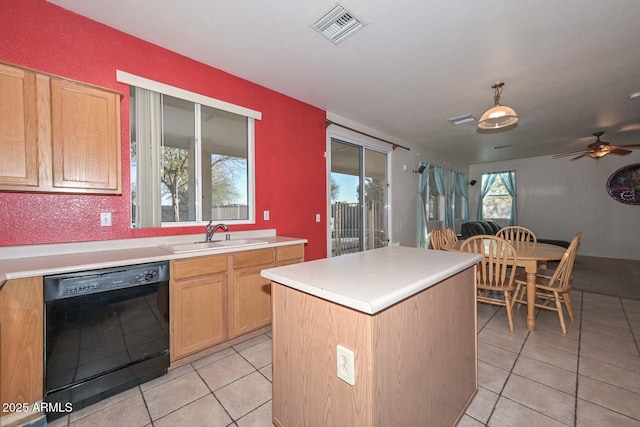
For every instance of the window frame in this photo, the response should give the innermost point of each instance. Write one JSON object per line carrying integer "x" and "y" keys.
{"x": 365, "y": 143}
{"x": 199, "y": 100}
{"x": 490, "y": 195}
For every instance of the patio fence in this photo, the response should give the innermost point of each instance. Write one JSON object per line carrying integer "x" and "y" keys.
{"x": 346, "y": 232}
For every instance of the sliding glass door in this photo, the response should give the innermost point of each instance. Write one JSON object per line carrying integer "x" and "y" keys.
{"x": 358, "y": 198}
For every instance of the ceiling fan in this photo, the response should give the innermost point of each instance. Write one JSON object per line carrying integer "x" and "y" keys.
{"x": 598, "y": 149}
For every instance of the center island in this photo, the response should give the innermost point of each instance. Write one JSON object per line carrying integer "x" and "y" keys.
{"x": 409, "y": 317}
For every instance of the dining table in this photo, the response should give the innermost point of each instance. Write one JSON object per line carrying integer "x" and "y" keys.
{"x": 531, "y": 256}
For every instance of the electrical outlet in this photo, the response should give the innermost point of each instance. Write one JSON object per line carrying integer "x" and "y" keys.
{"x": 105, "y": 219}
{"x": 345, "y": 365}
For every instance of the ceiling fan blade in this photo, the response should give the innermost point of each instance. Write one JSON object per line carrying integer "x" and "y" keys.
{"x": 559, "y": 155}
{"x": 628, "y": 146}
{"x": 619, "y": 151}
{"x": 581, "y": 155}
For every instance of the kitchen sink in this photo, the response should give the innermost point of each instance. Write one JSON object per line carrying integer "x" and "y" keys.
{"x": 216, "y": 244}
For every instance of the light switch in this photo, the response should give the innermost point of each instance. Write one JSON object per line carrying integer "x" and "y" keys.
{"x": 105, "y": 219}
{"x": 266, "y": 215}
{"x": 317, "y": 217}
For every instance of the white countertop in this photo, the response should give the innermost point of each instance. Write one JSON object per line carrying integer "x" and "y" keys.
{"x": 373, "y": 280}
{"x": 18, "y": 262}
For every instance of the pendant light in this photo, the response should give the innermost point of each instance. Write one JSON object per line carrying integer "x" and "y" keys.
{"x": 498, "y": 116}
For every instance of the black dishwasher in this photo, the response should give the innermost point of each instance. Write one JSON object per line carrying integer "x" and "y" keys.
{"x": 106, "y": 331}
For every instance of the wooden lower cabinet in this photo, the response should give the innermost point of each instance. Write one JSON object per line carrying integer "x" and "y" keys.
{"x": 21, "y": 341}
{"x": 198, "y": 304}
{"x": 251, "y": 300}
{"x": 218, "y": 297}
{"x": 286, "y": 255}
{"x": 251, "y": 293}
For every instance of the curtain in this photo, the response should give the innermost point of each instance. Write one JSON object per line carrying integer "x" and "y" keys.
{"x": 461, "y": 185}
{"x": 486, "y": 186}
{"x": 450, "y": 200}
{"x": 148, "y": 135}
{"x": 438, "y": 174}
{"x": 509, "y": 180}
{"x": 422, "y": 212}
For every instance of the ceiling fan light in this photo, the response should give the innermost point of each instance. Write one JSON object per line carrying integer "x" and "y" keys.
{"x": 597, "y": 154}
{"x": 498, "y": 116}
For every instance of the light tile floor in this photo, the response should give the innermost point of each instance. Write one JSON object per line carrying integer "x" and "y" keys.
{"x": 590, "y": 377}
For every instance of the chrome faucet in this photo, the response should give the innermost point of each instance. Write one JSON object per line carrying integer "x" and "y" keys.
{"x": 210, "y": 229}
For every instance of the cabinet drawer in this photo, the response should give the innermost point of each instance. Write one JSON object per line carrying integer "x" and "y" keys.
{"x": 251, "y": 258}
{"x": 290, "y": 252}
{"x": 199, "y": 266}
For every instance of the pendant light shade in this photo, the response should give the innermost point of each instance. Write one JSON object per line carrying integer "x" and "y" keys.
{"x": 499, "y": 116}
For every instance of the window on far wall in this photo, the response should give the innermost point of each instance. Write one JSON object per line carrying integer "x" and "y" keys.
{"x": 496, "y": 204}
{"x": 190, "y": 162}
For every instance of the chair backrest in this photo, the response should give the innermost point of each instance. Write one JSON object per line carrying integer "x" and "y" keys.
{"x": 562, "y": 275}
{"x": 437, "y": 239}
{"x": 450, "y": 235}
{"x": 497, "y": 269}
{"x": 515, "y": 233}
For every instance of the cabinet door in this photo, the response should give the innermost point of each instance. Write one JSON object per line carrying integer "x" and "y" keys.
{"x": 21, "y": 341}
{"x": 18, "y": 127}
{"x": 198, "y": 314}
{"x": 251, "y": 300}
{"x": 85, "y": 133}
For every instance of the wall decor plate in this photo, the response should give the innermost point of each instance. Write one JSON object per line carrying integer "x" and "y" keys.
{"x": 624, "y": 184}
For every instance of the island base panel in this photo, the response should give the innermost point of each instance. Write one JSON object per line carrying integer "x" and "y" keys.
{"x": 415, "y": 362}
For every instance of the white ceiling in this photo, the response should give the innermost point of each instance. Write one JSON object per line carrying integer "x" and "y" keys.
{"x": 569, "y": 65}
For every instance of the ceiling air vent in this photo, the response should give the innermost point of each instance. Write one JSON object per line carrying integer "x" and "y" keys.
{"x": 337, "y": 24}
{"x": 458, "y": 120}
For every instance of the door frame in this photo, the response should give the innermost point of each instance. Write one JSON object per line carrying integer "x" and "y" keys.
{"x": 351, "y": 137}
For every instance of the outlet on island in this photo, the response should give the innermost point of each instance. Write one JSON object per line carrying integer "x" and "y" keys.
{"x": 345, "y": 365}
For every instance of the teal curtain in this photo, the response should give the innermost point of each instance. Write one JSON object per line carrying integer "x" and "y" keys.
{"x": 438, "y": 174}
{"x": 486, "y": 186}
{"x": 509, "y": 180}
{"x": 461, "y": 185}
{"x": 450, "y": 199}
{"x": 422, "y": 213}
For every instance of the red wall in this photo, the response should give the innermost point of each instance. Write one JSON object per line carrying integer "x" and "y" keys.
{"x": 290, "y": 139}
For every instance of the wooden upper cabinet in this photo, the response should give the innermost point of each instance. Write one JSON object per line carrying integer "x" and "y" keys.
{"x": 58, "y": 135}
{"x": 85, "y": 133}
{"x": 18, "y": 127}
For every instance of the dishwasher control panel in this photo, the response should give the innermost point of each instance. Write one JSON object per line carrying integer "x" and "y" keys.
{"x": 93, "y": 281}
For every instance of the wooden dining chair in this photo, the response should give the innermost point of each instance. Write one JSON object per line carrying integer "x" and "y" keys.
{"x": 450, "y": 235}
{"x": 516, "y": 233}
{"x": 555, "y": 287}
{"x": 438, "y": 241}
{"x": 495, "y": 274}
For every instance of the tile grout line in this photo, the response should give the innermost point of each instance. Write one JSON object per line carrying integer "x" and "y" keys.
{"x": 189, "y": 403}
{"x": 614, "y": 385}
{"x": 575, "y": 404}
{"x": 213, "y": 394}
{"x": 237, "y": 379}
{"x": 624, "y": 311}
{"x": 510, "y": 370}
